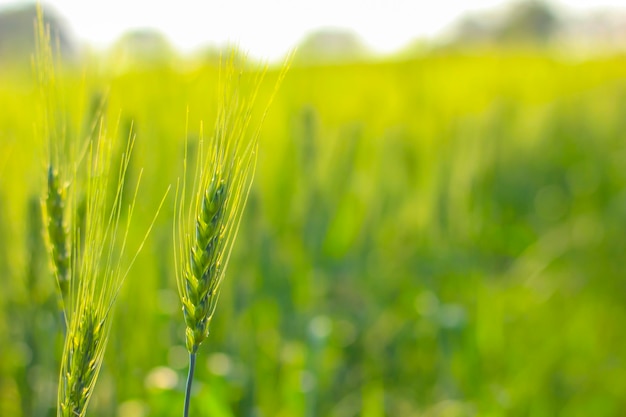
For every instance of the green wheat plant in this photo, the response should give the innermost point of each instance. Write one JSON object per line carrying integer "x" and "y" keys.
{"x": 205, "y": 227}
{"x": 88, "y": 252}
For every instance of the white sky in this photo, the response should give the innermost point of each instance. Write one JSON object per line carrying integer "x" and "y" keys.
{"x": 269, "y": 28}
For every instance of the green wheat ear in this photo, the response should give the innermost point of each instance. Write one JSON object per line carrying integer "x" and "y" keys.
{"x": 205, "y": 228}
{"x": 60, "y": 156}
{"x": 202, "y": 275}
{"x": 96, "y": 275}
{"x": 81, "y": 364}
{"x": 57, "y": 231}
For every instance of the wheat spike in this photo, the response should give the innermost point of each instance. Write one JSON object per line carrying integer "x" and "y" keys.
{"x": 81, "y": 363}
{"x": 57, "y": 231}
{"x": 59, "y": 152}
{"x": 97, "y": 276}
{"x": 206, "y": 228}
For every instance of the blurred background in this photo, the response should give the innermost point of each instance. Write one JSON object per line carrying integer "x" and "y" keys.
{"x": 436, "y": 228}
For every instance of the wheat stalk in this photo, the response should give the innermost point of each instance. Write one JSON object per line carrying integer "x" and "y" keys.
{"x": 208, "y": 232}
{"x": 89, "y": 276}
{"x": 206, "y": 228}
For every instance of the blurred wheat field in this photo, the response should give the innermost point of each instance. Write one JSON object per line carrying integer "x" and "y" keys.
{"x": 440, "y": 236}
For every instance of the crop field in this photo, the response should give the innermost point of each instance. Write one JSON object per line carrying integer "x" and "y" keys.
{"x": 437, "y": 236}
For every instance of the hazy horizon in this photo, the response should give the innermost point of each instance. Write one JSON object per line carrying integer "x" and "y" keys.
{"x": 270, "y": 29}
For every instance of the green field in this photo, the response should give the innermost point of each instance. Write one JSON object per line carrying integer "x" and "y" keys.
{"x": 442, "y": 236}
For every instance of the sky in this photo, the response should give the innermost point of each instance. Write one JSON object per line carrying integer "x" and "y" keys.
{"x": 269, "y": 28}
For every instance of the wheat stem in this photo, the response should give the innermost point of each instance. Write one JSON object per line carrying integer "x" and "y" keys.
{"x": 192, "y": 367}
